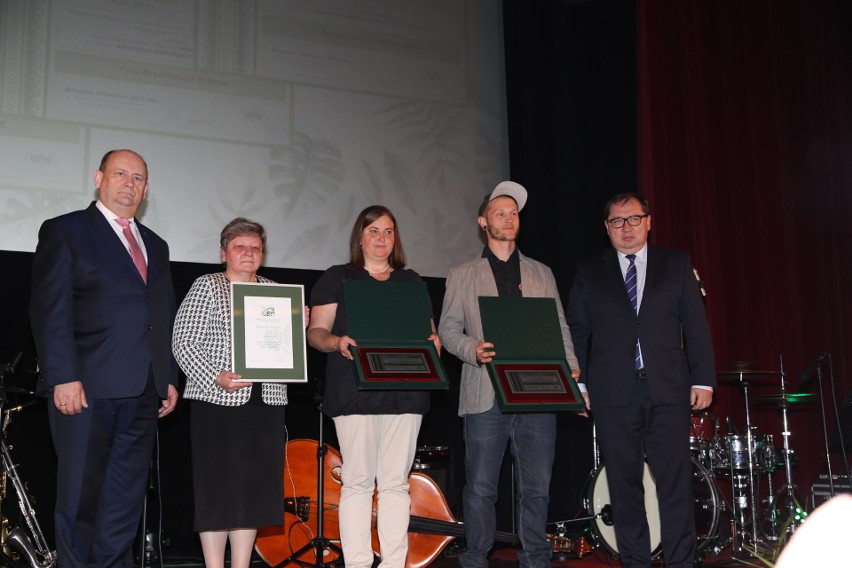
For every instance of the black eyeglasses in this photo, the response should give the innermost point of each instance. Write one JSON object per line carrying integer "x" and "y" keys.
{"x": 633, "y": 221}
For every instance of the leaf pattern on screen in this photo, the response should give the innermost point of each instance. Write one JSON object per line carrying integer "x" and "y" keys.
{"x": 230, "y": 203}
{"x": 39, "y": 205}
{"x": 306, "y": 174}
{"x": 401, "y": 174}
{"x": 433, "y": 132}
{"x": 309, "y": 242}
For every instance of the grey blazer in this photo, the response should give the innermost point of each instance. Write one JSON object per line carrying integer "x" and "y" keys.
{"x": 460, "y": 326}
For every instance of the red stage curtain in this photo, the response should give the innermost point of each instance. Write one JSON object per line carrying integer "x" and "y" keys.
{"x": 745, "y": 152}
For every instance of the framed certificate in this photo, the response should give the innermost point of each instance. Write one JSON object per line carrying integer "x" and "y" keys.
{"x": 268, "y": 332}
{"x": 529, "y": 372}
{"x": 391, "y": 322}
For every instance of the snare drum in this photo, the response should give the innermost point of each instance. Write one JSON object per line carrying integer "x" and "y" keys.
{"x": 708, "y": 509}
{"x": 702, "y": 431}
{"x": 732, "y": 453}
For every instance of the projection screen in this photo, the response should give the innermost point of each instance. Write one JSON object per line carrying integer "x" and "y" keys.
{"x": 294, "y": 113}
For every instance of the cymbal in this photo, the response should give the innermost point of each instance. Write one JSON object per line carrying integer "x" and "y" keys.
{"x": 786, "y": 398}
{"x": 748, "y": 373}
{"x": 742, "y": 378}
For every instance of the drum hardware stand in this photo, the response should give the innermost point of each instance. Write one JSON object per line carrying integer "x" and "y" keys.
{"x": 771, "y": 502}
{"x": 740, "y": 503}
{"x": 736, "y": 480}
{"x": 745, "y": 501}
{"x": 319, "y": 544}
{"x": 751, "y": 469}
{"x": 30, "y": 545}
{"x": 561, "y": 529}
{"x": 605, "y": 515}
{"x": 783, "y": 522}
{"x": 596, "y": 451}
{"x": 788, "y": 464}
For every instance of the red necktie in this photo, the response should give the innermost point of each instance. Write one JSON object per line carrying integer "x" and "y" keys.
{"x": 135, "y": 250}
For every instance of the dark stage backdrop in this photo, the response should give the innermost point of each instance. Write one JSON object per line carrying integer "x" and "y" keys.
{"x": 571, "y": 94}
{"x": 745, "y": 149}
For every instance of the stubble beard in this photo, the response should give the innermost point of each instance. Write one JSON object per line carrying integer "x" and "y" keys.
{"x": 499, "y": 235}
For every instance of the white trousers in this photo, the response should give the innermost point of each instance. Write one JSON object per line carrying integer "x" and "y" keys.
{"x": 378, "y": 452}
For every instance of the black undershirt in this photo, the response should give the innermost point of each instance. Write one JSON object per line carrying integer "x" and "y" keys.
{"x": 507, "y": 275}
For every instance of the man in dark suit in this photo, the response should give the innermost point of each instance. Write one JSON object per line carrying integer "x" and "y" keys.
{"x": 102, "y": 308}
{"x": 641, "y": 335}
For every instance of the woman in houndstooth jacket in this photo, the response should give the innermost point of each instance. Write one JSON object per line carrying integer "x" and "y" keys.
{"x": 236, "y": 428}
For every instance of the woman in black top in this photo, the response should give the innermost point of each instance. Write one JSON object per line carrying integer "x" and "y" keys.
{"x": 377, "y": 430}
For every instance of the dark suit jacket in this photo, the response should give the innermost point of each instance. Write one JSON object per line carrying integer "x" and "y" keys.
{"x": 672, "y": 325}
{"x": 93, "y": 317}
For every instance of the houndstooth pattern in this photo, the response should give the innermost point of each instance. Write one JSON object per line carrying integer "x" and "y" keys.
{"x": 201, "y": 344}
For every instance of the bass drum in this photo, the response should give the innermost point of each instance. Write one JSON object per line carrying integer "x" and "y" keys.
{"x": 708, "y": 509}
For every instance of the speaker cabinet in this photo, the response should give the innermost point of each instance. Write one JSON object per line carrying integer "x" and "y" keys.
{"x": 821, "y": 489}
{"x": 435, "y": 462}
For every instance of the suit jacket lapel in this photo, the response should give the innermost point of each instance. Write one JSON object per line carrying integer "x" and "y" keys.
{"x": 149, "y": 250}
{"x": 652, "y": 271}
{"x": 116, "y": 248}
{"x": 614, "y": 278}
{"x": 488, "y": 286}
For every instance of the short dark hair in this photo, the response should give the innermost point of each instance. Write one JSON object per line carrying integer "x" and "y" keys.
{"x": 365, "y": 218}
{"x": 241, "y": 227}
{"x": 622, "y": 198}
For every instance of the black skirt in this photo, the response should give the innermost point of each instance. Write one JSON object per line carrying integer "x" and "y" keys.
{"x": 237, "y": 464}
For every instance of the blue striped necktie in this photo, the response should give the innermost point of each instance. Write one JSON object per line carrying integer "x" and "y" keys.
{"x": 630, "y": 282}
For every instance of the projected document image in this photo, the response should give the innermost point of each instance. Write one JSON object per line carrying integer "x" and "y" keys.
{"x": 131, "y": 30}
{"x": 135, "y": 64}
{"x": 398, "y": 48}
{"x": 294, "y": 113}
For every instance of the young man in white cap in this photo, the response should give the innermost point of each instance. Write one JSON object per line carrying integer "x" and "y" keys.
{"x": 501, "y": 270}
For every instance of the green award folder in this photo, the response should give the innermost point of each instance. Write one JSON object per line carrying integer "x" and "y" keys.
{"x": 391, "y": 322}
{"x": 529, "y": 371}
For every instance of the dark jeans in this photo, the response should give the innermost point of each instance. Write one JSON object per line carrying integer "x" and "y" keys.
{"x": 533, "y": 444}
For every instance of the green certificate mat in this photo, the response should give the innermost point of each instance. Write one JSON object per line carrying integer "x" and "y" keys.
{"x": 529, "y": 371}
{"x": 268, "y": 331}
{"x": 391, "y": 322}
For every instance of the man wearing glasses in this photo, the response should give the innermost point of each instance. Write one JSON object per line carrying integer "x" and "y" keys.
{"x": 641, "y": 336}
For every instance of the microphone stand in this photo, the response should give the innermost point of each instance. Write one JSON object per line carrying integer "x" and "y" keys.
{"x": 319, "y": 544}
{"x": 831, "y": 490}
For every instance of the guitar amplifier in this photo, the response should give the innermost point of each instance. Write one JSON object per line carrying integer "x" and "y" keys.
{"x": 821, "y": 489}
{"x": 434, "y": 461}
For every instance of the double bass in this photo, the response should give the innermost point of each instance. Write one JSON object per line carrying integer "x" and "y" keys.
{"x": 431, "y": 528}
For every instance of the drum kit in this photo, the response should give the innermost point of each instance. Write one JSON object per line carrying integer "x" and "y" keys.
{"x": 730, "y": 471}
{"x": 708, "y": 511}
